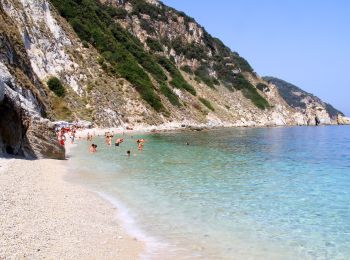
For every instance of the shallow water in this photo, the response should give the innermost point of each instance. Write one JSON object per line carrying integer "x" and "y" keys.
{"x": 268, "y": 193}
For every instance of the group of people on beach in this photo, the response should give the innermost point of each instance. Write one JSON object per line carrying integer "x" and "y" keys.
{"x": 109, "y": 139}
{"x": 61, "y": 134}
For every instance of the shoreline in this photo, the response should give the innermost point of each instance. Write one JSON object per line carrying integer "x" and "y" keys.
{"x": 97, "y": 131}
{"x": 45, "y": 216}
{"x": 151, "y": 246}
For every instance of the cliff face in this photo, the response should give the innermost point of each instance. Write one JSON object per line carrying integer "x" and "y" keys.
{"x": 23, "y": 131}
{"x": 128, "y": 62}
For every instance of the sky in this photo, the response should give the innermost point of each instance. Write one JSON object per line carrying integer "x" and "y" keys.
{"x": 304, "y": 42}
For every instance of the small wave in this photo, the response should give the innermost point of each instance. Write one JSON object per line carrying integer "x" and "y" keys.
{"x": 153, "y": 245}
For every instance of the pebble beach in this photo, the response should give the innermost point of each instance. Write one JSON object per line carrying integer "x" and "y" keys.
{"x": 43, "y": 216}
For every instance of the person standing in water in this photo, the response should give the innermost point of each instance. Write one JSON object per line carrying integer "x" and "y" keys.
{"x": 93, "y": 148}
{"x": 140, "y": 144}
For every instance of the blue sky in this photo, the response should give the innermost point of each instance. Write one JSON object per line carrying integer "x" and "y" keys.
{"x": 305, "y": 42}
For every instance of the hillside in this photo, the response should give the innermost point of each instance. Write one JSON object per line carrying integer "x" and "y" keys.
{"x": 126, "y": 63}
{"x": 302, "y": 100}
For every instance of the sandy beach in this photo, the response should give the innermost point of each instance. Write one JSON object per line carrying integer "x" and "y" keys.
{"x": 43, "y": 216}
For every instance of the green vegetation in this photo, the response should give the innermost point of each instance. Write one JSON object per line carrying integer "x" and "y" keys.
{"x": 172, "y": 97}
{"x": 145, "y": 25}
{"x": 262, "y": 87}
{"x": 120, "y": 13}
{"x": 190, "y": 51}
{"x": 142, "y": 7}
{"x": 203, "y": 73}
{"x": 225, "y": 54}
{"x": 187, "y": 69}
{"x": 241, "y": 63}
{"x": 177, "y": 79}
{"x": 250, "y": 92}
{"x": 90, "y": 87}
{"x": 93, "y": 22}
{"x": 60, "y": 109}
{"x": 85, "y": 44}
{"x": 154, "y": 45}
{"x": 56, "y": 86}
{"x": 123, "y": 55}
{"x": 206, "y": 103}
{"x": 287, "y": 90}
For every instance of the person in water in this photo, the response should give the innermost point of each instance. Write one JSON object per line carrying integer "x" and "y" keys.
{"x": 93, "y": 148}
{"x": 140, "y": 144}
{"x": 128, "y": 153}
{"x": 119, "y": 141}
{"x": 109, "y": 140}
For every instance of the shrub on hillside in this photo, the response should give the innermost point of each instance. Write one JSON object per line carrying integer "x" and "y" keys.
{"x": 262, "y": 87}
{"x": 178, "y": 80}
{"x": 187, "y": 69}
{"x": 56, "y": 86}
{"x": 120, "y": 13}
{"x": 250, "y": 92}
{"x": 206, "y": 103}
{"x": 203, "y": 73}
{"x": 171, "y": 96}
{"x": 154, "y": 45}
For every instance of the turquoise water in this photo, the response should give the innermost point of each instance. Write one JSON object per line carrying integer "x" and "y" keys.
{"x": 274, "y": 193}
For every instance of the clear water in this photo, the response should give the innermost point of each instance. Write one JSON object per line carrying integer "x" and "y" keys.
{"x": 274, "y": 193}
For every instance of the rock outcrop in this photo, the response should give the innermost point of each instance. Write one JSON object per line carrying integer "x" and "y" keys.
{"x": 23, "y": 130}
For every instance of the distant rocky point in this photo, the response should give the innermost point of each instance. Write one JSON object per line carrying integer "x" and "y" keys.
{"x": 310, "y": 105}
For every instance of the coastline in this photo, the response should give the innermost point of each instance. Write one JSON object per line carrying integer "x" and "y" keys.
{"x": 44, "y": 216}
{"x": 174, "y": 127}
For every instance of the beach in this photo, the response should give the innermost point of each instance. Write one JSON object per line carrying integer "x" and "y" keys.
{"x": 201, "y": 198}
{"x": 43, "y": 216}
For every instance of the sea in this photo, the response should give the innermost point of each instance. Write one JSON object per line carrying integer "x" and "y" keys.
{"x": 235, "y": 193}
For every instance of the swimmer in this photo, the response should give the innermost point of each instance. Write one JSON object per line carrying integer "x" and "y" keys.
{"x": 119, "y": 141}
{"x": 140, "y": 146}
{"x": 128, "y": 153}
{"x": 140, "y": 143}
{"x": 140, "y": 140}
{"x": 93, "y": 148}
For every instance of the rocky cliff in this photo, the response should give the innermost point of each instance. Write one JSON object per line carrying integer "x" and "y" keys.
{"x": 128, "y": 62}
{"x": 23, "y": 130}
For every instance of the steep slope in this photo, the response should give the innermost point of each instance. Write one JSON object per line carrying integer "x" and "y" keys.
{"x": 305, "y": 102}
{"x": 182, "y": 72}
